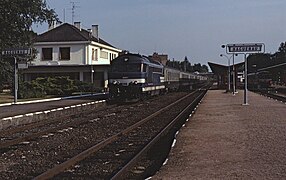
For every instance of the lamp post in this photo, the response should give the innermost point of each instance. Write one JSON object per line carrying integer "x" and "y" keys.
{"x": 233, "y": 76}
{"x": 228, "y": 74}
{"x": 254, "y": 80}
{"x": 15, "y": 81}
{"x": 233, "y": 70}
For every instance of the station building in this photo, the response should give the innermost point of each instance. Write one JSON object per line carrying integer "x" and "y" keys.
{"x": 162, "y": 58}
{"x": 69, "y": 50}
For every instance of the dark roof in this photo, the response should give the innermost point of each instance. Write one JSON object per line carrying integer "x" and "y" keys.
{"x": 66, "y": 33}
{"x": 222, "y": 69}
{"x": 217, "y": 68}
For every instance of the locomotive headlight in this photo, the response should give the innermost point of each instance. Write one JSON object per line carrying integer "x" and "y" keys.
{"x": 133, "y": 82}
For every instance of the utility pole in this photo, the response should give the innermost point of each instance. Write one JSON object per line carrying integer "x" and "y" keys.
{"x": 64, "y": 11}
{"x": 73, "y": 4}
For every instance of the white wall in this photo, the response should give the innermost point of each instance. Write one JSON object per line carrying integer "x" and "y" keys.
{"x": 81, "y": 54}
{"x": 77, "y": 54}
{"x": 100, "y": 60}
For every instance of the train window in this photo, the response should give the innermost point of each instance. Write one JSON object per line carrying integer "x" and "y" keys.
{"x": 144, "y": 68}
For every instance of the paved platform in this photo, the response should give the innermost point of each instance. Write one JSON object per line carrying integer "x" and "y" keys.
{"x": 25, "y": 107}
{"x": 22, "y": 113}
{"x": 226, "y": 140}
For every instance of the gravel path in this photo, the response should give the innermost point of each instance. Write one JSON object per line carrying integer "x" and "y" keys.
{"x": 225, "y": 140}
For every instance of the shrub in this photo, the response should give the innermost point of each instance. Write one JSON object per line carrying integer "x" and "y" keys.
{"x": 31, "y": 90}
{"x": 59, "y": 86}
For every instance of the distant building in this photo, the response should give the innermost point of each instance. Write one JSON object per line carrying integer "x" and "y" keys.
{"x": 162, "y": 58}
{"x": 69, "y": 50}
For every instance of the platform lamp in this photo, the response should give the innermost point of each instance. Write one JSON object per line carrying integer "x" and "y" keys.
{"x": 233, "y": 70}
{"x": 228, "y": 73}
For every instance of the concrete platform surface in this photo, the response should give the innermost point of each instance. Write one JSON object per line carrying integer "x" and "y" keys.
{"x": 226, "y": 140}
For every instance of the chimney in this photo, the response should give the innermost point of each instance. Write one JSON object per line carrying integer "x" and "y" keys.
{"x": 77, "y": 25}
{"x": 94, "y": 29}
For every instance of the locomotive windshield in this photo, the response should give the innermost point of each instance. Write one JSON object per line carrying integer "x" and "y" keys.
{"x": 126, "y": 68}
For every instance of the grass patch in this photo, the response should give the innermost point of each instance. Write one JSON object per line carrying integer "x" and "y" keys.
{"x": 6, "y": 98}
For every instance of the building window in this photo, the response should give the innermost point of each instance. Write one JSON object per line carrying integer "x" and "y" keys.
{"x": 65, "y": 53}
{"x": 94, "y": 55}
{"x": 112, "y": 56}
{"x": 103, "y": 55}
{"x": 47, "y": 54}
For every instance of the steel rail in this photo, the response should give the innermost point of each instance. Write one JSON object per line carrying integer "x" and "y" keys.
{"x": 83, "y": 155}
{"x": 274, "y": 96}
{"x": 134, "y": 160}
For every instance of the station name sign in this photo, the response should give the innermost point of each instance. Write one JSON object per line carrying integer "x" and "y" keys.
{"x": 17, "y": 51}
{"x": 244, "y": 48}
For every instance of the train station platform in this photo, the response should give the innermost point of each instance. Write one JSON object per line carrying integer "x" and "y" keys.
{"x": 32, "y": 111}
{"x": 227, "y": 140}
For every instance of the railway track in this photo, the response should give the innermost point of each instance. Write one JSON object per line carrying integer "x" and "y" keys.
{"x": 272, "y": 94}
{"x": 33, "y": 156}
{"x": 113, "y": 157}
{"x": 25, "y": 133}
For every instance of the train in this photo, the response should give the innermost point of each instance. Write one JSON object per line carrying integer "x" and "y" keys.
{"x": 259, "y": 80}
{"x": 135, "y": 76}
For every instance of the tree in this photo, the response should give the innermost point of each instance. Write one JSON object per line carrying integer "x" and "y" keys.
{"x": 16, "y": 19}
{"x": 197, "y": 67}
{"x": 204, "y": 68}
{"x": 280, "y": 56}
{"x": 186, "y": 65}
{"x": 282, "y": 48}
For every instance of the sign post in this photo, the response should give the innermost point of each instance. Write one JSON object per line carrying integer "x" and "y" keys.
{"x": 15, "y": 52}
{"x": 246, "y": 49}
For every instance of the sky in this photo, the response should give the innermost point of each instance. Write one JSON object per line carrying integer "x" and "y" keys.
{"x": 179, "y": 28}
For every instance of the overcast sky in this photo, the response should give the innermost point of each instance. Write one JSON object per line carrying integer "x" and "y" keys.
{"x": 179, "y": 28}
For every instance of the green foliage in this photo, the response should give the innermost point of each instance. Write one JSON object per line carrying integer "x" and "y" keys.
{"x": 17, "y": 17}
{"x": 59, "y": 86}
{"x": 258, "y": 61}
{"x": 186, "y": 66}
{"x": 6, "y": 74}
{"x": 31, "y": 89}
{"x": 263, "y": 60}
{"x": 282, "y": 47}
{"x": 84, "y": 86}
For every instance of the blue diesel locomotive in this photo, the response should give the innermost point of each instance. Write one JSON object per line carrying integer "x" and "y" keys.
{"x": 134, "y": 76}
